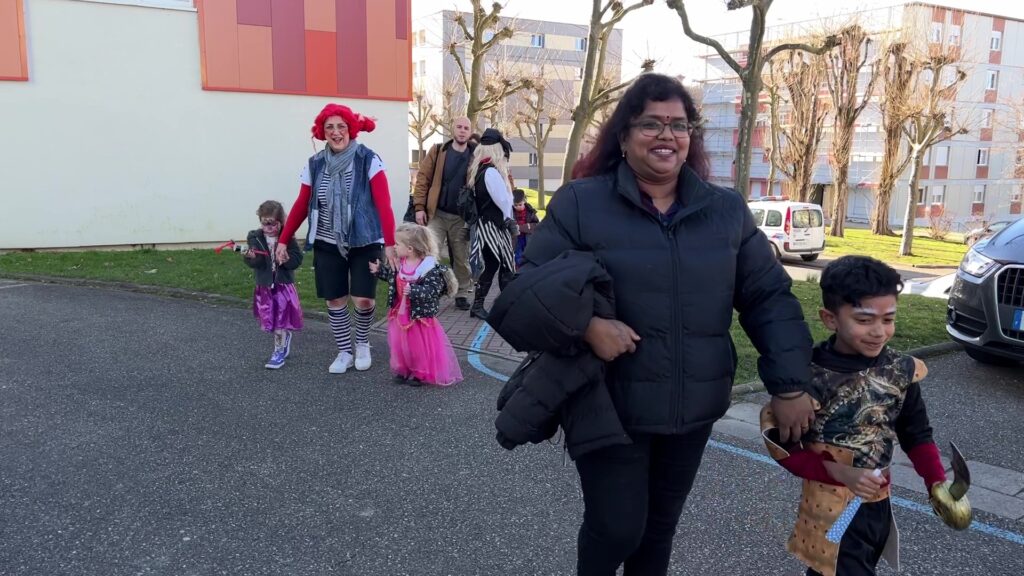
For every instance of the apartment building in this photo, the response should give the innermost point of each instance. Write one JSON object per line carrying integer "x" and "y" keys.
{"x": 551, "y": 52}
{"x": 972, "y": 177}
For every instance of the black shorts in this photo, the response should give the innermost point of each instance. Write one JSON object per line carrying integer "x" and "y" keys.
{"x": 337, "y": 276}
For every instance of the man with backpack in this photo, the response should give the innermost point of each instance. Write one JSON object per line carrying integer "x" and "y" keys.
{"x": 441, "y": 174}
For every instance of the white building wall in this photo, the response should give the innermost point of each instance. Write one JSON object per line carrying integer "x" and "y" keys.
{"x": 113, "y": 141}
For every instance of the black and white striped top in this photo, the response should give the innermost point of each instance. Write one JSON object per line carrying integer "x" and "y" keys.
{"x": 324, "y": 224}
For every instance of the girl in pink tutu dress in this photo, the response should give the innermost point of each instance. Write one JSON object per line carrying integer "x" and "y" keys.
{"x": 275, "y": 303}
{"x": 420, "y": 350}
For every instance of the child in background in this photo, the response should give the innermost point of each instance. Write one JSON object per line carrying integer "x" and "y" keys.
{"x": 867, "y": 396}
{"x": 420, "y": 350}
{"x": 274, "y": 299}
{"x": 526, "y": 218}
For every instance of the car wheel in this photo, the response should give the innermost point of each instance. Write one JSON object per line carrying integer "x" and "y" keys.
{"x": 809, "y": 257}
{"x": 775, "y": 250}
{"x": 987, "y": 358}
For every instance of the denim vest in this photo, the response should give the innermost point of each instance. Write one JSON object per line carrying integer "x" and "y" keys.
{"x": 366, "y": 227}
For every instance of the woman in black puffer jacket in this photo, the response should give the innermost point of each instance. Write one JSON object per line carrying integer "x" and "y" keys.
{"x": 682, "y": 254}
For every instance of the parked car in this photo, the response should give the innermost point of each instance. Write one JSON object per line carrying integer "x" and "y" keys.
{"x": 986, "y": 304}
{"x": 794, "y": 228}
{"x": 985, "y": 231}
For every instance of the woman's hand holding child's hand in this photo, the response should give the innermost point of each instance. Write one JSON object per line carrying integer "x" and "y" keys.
{"x": 281, "y": 252}
{"x": 861, "y": 481}
{"x": 610, "y": 339}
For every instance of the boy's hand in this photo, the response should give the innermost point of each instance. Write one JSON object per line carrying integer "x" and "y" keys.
{"x": 861, "y": 481}
{"x": 374, "y": 266}
{"x": 794, "y": 415}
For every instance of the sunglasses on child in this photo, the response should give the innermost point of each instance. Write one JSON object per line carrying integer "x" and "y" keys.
{"x": 269, "y": 223}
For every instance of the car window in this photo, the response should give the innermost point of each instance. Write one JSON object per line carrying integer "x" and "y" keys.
{"x": 816, "y": 221}
{"x": 758, "y": 216}
{"x": 801, "y": 218}
{"x": 774, "y": 218}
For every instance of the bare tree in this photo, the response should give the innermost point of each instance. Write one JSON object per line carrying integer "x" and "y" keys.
{"x": 483, "y": 91}
{"x": 423, "y": 121}
{"x": 750, "y": 73}
{"x": 534, "y": 122}
{"x": 594, "y": 94}
{"x": 846, "y": 62}
{"x": 897, "y": 69}
{"x": 796, "y": 151}
{"x": 929, "y": 120}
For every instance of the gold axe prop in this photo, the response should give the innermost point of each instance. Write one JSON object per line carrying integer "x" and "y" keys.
{"x": 949, "y": 499}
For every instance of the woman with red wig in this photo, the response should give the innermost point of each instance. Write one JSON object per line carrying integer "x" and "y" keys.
{"x": 345, "y": 199}
{"x": 682, "y": 254}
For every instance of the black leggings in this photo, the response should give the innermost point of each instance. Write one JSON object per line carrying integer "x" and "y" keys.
{"x": 492, "y": 266}
{"x": 864, "y": 540}
{"x": 634, "y": 496}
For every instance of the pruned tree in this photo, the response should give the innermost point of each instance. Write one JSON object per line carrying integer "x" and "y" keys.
{"x": 929, "y": 120}
{"x": 796, "y": 151}
{"x": 484, "y": 90}
{"x": 897, "y": 69}
{"x": 846, "y": 64}
{"x": 595, "y": 94}
{"x": 750, "y": 73}
{"x": 424, "y": 122}
{"x": 771, "y": 149}
{"x": 534, "y": 123}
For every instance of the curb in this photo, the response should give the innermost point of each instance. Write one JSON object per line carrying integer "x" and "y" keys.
{"x": 935, "y": 266}
{"x": 931, "y": 351}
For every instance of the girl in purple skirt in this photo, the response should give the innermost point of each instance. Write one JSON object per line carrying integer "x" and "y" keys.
{"x": 274, "y": 300}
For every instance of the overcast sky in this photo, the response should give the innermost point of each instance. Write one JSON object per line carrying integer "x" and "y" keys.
{"x": 656, "y": 32}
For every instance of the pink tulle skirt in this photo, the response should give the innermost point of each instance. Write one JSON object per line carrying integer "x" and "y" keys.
{"x": 277, "y": 308}
{"x": 420, "y": 349}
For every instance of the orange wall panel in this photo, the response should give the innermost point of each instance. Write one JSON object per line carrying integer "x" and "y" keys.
{"x": 380, "y": 48}
{"x": 320, "y": 15}
{"x": 321, "y": 62}
{"x": 219, "y": 43}
{"x": 255, "y": 58}
{"x": 13, "y": 55}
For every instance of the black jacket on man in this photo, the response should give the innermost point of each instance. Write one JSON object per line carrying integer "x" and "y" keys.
{"x": 547, "y": 310}
{"x": 676, "y": 284}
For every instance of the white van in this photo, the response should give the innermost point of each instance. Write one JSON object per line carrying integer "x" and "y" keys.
{"x": 793, "y": 228}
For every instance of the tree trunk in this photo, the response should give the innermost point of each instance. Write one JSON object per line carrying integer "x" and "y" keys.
{"x": 540, "y": 177}
{"x": 886, "y": 182}
{"x": 748, "y": 120}
{"x": 907, "y": 241}
{"x": 840, "y": 178}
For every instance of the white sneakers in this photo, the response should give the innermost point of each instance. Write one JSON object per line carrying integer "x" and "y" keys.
{"x": 363, "y": 360}
{"x": 341, "y": 364}
{"x": 344, "y": 361}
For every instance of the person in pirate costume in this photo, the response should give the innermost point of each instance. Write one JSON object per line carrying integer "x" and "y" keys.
{"x": 867, "y": 397}
{"x": 492, "y": 244}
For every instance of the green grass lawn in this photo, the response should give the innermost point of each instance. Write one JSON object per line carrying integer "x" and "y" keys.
{"x": 920, "y": 320}
{"x": 199, "y": 270}
{"x": 885, "y": 248}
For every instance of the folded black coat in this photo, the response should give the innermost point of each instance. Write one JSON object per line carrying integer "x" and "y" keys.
{"x": 546, "y": 311}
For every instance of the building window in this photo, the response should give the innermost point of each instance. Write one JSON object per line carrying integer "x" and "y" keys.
{"x": 537, "y": 40}
{"x": 938, "y": 193}
{"x": 579, "y": 73}
{"x": 937, "y": 32}
{"x": 996, "y": 43}
{"x": 581, "y": 44}
{"x": 983, "y": 157}
{"x": 422, "y": 37}
{"x": 920, "y": 195}
{"x": 1015, "y": 195}
{"x": 954, "y": 35}
{"x": 986, "y": 118}
{"x": 422, "y": 68}
{"x": 533, "y": 159}
{"x": 993, "y": 80}
{"x": 414, "y": 156}
{"x": 979, "y": 194}
{"x": 942, "y": 156}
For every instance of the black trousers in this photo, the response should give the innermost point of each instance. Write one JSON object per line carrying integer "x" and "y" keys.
{"x": 864, "y": 540}
{"x": 633, "y": 497}
{"x": 492, "y": 266}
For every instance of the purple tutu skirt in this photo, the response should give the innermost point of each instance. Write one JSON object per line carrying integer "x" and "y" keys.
{"x": 420, "y": 349}
{"x": 277, "y": 308}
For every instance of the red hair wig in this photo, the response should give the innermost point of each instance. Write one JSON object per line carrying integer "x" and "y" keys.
{"x": 356, "y": 122}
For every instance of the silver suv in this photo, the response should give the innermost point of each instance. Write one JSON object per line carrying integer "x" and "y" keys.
{"x": 986, "y": 303}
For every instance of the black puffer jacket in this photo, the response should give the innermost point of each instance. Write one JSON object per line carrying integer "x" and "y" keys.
{"x": 546, "y": 310}
{"x": 677, "y": 286}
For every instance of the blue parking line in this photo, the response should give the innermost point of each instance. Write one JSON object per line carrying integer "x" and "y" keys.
{"x": 1009, "y": 536}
